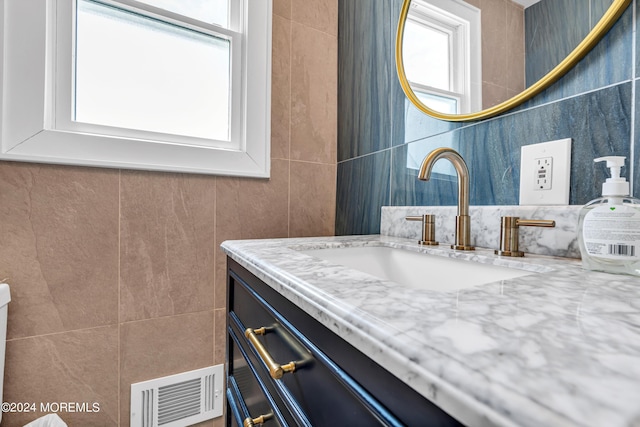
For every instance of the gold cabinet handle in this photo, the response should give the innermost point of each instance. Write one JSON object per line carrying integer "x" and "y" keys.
{"x": 251, "y": 422}
{"x": 275, "y": 369}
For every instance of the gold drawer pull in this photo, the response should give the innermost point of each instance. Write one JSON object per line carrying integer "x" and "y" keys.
{"x": 251, "y": 422}
{"x": 275, "y": 369}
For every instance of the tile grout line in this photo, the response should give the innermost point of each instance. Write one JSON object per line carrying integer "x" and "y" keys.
{"x": 545, "y": 104}
{"x": 390, "y": 176}
{"x": 289, "y": 199}
{"x": 50, "y": 334}
{"x": 393, "y": 117}
{"x": 169, "y": 316}
{"x": 632, "y": 136}
{"x": 110, "y": 325}
{"x": 311, "y": 162}
{"x": 632, "y": 81}
{"x": 360, "y": 156}
{"x": 119, "y": 287}
{"x": 293, "y": 21}
{"x": 215, "y": 259}
{"x": 290, "y": 119}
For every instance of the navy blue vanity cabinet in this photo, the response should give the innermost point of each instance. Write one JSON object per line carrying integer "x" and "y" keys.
{"x": 284, "y": 368}
{"x": 245, "y": 394}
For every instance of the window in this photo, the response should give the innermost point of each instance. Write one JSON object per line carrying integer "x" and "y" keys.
{"x": 150, "y": 84}
{"x": 443, "y": 65}
{"x": 135, "y": 72}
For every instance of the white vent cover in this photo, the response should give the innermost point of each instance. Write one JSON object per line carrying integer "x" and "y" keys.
{"x": 178, "y": 400}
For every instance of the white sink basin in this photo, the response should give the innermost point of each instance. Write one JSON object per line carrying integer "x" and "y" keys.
{"x": 415, "y": 269}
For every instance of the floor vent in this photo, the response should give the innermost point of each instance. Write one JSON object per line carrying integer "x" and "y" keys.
{"x": 178, "y": 400}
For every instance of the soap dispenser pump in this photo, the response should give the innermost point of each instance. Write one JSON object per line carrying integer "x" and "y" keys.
{"x": 609, "y": 226}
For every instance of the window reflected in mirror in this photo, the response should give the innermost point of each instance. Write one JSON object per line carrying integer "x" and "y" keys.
{"x": 442, "y": 61}
{"x": 472, "y": 59}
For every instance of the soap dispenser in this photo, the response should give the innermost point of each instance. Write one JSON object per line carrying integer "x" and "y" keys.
{"x": 609, "y": 226}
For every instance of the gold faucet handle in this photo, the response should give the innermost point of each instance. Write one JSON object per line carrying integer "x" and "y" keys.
{"x": 509, "y": 234}
{"x": 428, "y": 228}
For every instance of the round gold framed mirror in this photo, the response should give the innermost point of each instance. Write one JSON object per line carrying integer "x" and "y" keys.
{"x": 440, "y": 50}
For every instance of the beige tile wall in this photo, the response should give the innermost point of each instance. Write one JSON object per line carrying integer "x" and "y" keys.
{"x": 502, "y": 49}
{"x": 116, "y": 276}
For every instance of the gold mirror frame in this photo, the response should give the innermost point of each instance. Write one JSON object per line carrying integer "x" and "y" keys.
{"x": 599, "y": 30}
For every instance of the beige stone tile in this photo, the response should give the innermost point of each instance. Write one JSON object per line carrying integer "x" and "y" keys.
{"x": 159, "y": 347}
{"x": 282, "y": 8}
{"x": 313, "y": 199}
{"x": 220, "y": 293}
{"x": 314, "y": 95}
{"x": 494, "y": 54}
{"x": 166, "y": 244}
{"x": 512, "y": 93}
{"x": 319, "y": 14}
{"x": 78, "y": 366}
{"x": 250, "y": 209}
{"x": 219, "y": 336}
{"x": 493, "y": 94}
{"x": 281, "y": 88}
{"x": 59, "y": 251}
{"x": 515, "y": 48}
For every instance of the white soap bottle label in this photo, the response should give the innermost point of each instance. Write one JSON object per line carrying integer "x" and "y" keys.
{"x": 612, "y": 232}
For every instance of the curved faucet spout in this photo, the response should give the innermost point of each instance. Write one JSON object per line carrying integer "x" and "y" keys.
{"x": 463, "y": 221}
{"x": 461, "y": 168}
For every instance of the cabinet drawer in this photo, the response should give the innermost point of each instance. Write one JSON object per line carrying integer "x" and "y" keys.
{"x": 247, "y": 397}
{"x": 317, "y": 388}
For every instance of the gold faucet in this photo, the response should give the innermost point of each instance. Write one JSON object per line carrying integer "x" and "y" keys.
{"x": 509, "y": 230}
{"x": 463, "y": 221}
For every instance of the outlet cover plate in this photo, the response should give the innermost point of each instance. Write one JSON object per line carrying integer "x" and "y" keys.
{"x": 556, "y": 190}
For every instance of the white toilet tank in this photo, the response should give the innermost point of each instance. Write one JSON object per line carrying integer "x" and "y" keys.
{"x": 5, "y": 297}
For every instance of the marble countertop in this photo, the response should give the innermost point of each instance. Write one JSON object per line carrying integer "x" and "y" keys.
{"x": 556, "y": 348}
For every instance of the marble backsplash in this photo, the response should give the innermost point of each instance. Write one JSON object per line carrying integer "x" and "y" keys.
{"x": 560, "y": 241}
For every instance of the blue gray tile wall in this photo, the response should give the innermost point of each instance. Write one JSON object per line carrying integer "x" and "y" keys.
{"x": 366, "y": 74}
{"x": 593, "y": 104}
{"x": 363, "y": 189}
{"x": 550, "y": 36}
{"x": 599, "y": 123}
{"x": 598, "y": 9}
{"x": 610, "y": 62}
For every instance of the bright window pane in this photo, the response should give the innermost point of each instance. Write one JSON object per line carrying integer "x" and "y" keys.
{"x": 441, "y": 104}
{"x": 426, "y": 55}
{"x": 210, "y": 11}
{"x": 139, "y": 73}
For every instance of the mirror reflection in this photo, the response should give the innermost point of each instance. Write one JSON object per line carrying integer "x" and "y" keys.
{"x": 462, "y": 57}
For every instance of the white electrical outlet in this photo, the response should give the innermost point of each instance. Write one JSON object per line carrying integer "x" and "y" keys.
{"x": 545, "y": 170}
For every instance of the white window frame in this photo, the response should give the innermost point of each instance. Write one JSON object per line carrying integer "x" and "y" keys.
{"x": 462, "y": 22}
{"x": 37, "y": 123}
